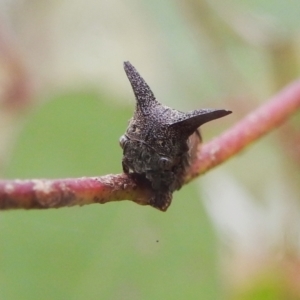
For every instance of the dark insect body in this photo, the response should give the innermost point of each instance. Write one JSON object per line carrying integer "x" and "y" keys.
{"x": 158, "y": 141}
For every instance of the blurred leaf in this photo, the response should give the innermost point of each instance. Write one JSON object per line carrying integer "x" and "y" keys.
{"x": 71, "y": 135}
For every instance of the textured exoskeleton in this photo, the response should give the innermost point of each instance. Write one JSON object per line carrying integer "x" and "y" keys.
{"x": 157, "y": 141}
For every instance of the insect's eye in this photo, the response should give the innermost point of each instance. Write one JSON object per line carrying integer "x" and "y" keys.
{"x": 123, "y": 139}
{"x": 165, "y": 163}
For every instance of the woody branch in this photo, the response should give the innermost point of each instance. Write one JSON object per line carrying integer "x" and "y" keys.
{"x": 42, "y": 193}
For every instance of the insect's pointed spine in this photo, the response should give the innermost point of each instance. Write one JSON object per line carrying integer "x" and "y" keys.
{"x": 190, "y": 121}
{"x": 143, "y": 94}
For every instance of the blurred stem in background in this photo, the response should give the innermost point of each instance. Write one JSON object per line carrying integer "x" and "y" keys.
{"x": 212, "y": 33}
{"x": 222, "y": 21}
{"x": 15, "y": 91}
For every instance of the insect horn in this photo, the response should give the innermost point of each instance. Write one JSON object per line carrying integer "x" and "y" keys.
{"x": 143, "y": 94}
{"x": 190, "y": 121}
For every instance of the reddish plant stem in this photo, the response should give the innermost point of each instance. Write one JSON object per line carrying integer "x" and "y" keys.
{"x": 30, "y": 194}
{"x": 256, "y": 124}
{"x": 43, "y": 193}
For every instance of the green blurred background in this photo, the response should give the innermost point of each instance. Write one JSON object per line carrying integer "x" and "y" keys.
{"x": 65, "y": 101}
